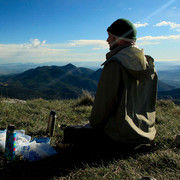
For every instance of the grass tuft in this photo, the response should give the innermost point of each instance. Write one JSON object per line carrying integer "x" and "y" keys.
{"x": 86, "y": 99}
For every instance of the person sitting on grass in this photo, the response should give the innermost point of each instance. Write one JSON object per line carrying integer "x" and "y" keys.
{"x": 123, "y": 111}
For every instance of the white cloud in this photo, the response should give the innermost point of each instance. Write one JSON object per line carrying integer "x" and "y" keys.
{"x": 141, "y": 25}
{"x": 76, "y": 50}
{"x": 173, "y": 37}
{"x": 172, "y": 25}
{"x": 37, "y": 51}
{"x": 97, "y": 44}
{"x": 34, "y": 43}
{"x": 144, "y": 43}
{"x": 33, "y": 50}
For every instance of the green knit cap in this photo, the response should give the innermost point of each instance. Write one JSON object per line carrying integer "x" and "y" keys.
{"x": 123, "y": 28}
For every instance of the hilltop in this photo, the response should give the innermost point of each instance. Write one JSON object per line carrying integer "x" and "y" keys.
{"x": 162, "y": 162}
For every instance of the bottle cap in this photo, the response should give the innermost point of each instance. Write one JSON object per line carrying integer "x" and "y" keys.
{"x": 53, "y": 113}
{"x": 11, "y": 127}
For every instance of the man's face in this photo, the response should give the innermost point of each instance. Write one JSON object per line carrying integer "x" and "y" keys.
{"x": 112, "y": 41}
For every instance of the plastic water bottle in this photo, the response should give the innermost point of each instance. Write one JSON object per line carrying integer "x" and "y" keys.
{"x": 10, "y": 145}
{"x": 51, "y": 123}
{"x": 2, "y": 139}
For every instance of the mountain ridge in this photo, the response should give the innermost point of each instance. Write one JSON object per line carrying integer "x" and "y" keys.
{"x": 58, "y": 82}
{"x": 49, "y": 82}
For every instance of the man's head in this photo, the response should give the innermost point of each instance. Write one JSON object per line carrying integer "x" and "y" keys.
{"x": 121, "y": 32}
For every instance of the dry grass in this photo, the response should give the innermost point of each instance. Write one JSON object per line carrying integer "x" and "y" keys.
{"x": 86, "y": 99}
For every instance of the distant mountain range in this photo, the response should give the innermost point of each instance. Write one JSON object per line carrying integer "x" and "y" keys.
{"x": 15, "y": 68}
{"x": 60, "y": 82}
{"x": 49, "y": 82}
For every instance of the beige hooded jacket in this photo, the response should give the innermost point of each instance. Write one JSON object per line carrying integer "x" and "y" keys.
{"x": 125, "y": 100}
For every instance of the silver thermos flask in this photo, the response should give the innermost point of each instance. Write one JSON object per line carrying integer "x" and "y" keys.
{"x": 51, "y": 123}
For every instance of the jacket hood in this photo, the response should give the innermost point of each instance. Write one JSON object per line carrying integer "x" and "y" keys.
{"x": 134, "y": 61}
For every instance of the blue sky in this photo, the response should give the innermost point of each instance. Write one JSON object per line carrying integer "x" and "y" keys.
{"x": 75, "y": 30}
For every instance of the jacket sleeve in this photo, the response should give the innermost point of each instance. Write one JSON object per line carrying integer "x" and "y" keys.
{"x": 107, "y": 95}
